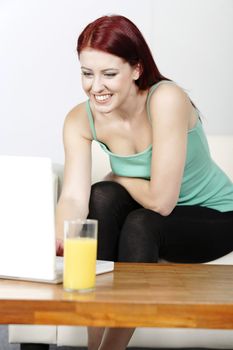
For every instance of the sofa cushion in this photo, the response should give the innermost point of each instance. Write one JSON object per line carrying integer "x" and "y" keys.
{"x": 32, "y": 334}
{"x": 156, "y": 337}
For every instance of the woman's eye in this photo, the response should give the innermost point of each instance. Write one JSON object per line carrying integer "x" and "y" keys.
{"x": 110, "y": 75}
{"x": 90, "y": 75}
{"x": 87, "y": 74}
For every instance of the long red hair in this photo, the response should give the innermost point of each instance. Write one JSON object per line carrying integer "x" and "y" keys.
{"x": 119, "y": 36}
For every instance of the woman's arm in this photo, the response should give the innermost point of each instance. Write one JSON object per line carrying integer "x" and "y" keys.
{"x": 74, "y": 199}
{"x": 170, "y": 111}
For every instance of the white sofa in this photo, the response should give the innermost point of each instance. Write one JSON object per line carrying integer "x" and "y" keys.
{"x": 222, "y": 151}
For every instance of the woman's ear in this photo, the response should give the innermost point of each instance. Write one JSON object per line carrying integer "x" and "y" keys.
{"x": 137, "y": 71}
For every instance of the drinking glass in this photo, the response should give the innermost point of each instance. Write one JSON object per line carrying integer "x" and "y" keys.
{"x": 80, "y": 249}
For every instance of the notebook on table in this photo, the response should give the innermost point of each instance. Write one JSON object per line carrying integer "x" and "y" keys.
{"x": 27, "y": 216}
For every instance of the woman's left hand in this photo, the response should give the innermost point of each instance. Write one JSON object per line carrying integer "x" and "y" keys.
{"x": 111, "y": 177}
{"x": 115, "y": 178}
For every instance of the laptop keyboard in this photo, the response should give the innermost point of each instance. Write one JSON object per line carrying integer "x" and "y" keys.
{"x": 59, "y": 263}
{"x": 101, "y": 265}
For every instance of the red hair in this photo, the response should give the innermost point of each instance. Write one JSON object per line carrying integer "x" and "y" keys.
{"x": 119, "y": 36}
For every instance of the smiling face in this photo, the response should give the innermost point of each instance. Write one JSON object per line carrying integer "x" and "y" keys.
{"x": 107, "y": 79}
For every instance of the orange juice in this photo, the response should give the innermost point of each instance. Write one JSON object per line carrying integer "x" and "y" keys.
{"x": 79, "y": 263}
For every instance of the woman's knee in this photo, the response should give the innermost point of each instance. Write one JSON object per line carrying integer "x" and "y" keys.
{"x": 144, "y": 220}
{"x": 140, "y": 237}
{"x": 107, "y": 190}
{"x": 107, "y": 194}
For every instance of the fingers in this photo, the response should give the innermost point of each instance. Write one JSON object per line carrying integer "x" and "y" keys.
{"x": 59, "y": 247}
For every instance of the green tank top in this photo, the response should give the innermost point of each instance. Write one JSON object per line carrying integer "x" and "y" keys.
{"x": 203, "y": 183}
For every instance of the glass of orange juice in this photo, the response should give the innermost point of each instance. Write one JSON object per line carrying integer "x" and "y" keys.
{"x": 80, "y": 249}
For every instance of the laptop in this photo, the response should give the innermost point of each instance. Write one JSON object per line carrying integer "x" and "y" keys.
{"x": 28, "y": 190}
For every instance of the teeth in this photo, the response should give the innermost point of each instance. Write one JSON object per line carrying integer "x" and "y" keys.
{"x": 102, "y": 97}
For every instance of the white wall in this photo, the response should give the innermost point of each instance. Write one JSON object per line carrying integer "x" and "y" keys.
{"x": 39, "y": 70}
{"x": 193, "y": 44}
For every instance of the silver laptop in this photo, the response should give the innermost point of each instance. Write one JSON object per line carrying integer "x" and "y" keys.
{"x": 27, "y": 230}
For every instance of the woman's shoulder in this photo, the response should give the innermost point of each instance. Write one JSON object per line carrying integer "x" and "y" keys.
{"x": 77, "y": 112}
{"x": 167, "y": 89}
{"x": 77, "y": 118}
{"x": 167, "y": 93}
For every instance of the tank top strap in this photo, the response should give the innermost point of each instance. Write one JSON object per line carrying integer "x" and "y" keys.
{"x": 152, "y": 89}
{"x": 91, "y": 120}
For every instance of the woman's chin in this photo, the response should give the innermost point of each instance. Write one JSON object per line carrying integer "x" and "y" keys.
{"x": 103, "y": 107}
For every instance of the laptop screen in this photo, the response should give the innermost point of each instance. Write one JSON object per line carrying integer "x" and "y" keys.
{"x": 27, "y": 232}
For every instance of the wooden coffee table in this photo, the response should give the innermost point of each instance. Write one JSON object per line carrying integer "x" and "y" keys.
{"x": 134, "y": 295}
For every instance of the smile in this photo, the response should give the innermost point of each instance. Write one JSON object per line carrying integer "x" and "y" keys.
{"x": 103, "y": 98}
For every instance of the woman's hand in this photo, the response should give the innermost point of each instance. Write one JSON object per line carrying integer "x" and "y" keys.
{"x": 113, "y": 177}
{"x": 59, "y": 247}
{"x": 110, "y": 177}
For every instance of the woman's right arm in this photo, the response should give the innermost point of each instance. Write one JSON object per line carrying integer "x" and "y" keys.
{"x": 74, "y": 200}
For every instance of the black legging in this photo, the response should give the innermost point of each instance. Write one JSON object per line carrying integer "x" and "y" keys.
{"x": 130, "y": 233}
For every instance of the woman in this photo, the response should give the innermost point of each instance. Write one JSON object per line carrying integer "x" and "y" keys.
{"x": 165, "y": 197}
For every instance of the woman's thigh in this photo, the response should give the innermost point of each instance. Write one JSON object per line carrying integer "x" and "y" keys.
{"x": 196, "y": 234}
{"x": 189, "y": 234}
{"x": 110, "y": 204}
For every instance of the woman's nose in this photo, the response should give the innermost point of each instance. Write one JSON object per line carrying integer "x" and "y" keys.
{"x": 97, "y": 85}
